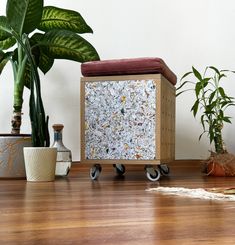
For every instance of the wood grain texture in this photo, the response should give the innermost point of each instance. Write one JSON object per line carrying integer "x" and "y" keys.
{"x": 165, "y": 120}
{"x": 115, "y": 210}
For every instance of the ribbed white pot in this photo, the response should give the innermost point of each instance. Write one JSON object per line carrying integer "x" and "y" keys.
{"x": 40, "y": 163}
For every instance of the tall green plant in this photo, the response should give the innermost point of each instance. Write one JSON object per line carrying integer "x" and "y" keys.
{"x": 28, "y": 50}
{"x": 210, "y": 100}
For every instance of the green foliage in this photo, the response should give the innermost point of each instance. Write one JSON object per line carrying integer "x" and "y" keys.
{"x": 56, "y": 18}
{"x": 39, "y": 122}
{"x": 57, "y": 38}
{"x": 4, "y": 57}
{"x": 210, "y": 100}
{"x": 25, "y": 15}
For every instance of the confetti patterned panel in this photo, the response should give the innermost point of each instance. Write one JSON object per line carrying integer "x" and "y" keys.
{"x": 120, "y": 120}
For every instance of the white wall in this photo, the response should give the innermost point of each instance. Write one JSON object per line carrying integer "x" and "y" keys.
{"x": 182, "y": 32}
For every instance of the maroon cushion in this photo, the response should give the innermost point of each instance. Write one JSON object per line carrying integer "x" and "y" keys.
{"x": 128, "y": 67}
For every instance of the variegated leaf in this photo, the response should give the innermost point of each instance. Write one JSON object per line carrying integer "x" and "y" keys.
{"x": 62, "y": 44}
{"x": 58, "y": 18}
{"x": 4, "y": 34}
{"x": 24, "y": 15}
{"x": 7, "y": 43}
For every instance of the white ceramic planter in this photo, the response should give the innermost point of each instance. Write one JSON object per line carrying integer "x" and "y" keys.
{"x": 40, "y": 163}
{"x": 11, "y": 155}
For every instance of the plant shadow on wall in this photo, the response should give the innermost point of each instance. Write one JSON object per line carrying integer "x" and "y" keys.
{"x": 211, "y": 102}
{"x": 31, "y": 37}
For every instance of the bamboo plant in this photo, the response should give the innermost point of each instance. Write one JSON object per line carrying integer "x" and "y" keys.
{"x": 211, "y": 101}
{"x": 31, "y": 37}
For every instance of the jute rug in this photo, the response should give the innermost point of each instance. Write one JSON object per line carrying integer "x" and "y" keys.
{"x": 219, "y": 194}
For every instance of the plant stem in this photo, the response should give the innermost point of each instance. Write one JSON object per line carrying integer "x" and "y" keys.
{"x": 219, "y": 147}
{"x": 218, "y": 140}
{"x": 39, "y": 123}
{"x": 19, "y": 69}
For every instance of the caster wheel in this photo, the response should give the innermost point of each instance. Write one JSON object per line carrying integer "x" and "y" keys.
{"x": 120, "y": 169}
{"x": 164, "y": 169}
{"x": 95, "y": 172}
{"x": 153, "y": 174}
{"x": 67, "y": 171}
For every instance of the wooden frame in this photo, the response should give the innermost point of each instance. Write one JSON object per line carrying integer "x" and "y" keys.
{"x": 165, "y": 119}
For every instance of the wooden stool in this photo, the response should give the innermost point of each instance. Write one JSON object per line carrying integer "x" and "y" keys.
{"x": 128, "y": 115}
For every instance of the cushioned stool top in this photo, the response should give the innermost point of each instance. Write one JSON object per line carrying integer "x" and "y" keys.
{"x": 128, "y": 67}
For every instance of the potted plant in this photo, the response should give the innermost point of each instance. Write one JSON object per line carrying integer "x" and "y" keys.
{"x": 29, "y": 50}
{"x": 211, "y": 101}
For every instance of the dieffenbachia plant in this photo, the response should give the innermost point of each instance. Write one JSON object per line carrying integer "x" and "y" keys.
{"x": 32, "y": 36}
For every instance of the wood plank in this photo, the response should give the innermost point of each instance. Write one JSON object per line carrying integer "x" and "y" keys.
{"x": 115, "y": 210}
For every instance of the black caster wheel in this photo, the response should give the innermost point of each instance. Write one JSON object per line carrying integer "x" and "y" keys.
{"x": 67, "y": 171}
{"x": 120, "y": 169}
{"x": 95, "y": 171}
{"x": 164, "y": 169}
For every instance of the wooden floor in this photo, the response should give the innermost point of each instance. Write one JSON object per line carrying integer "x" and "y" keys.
{"x": 112, "y": 210}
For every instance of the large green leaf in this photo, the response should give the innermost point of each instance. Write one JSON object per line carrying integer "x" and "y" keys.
{"x": 6, "y": 38}
{"x": 58, "y": 18}
{"x": 24, "y": 15}
{"x": 62, "y": 44}
{"x": 43, "y": 61}
{"x": 4, "y": 28}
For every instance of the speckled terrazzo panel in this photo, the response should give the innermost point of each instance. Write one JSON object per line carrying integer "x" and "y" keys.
{"x": 120, "y": 119}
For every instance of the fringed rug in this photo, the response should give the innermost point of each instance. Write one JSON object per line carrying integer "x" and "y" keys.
{"x": 219, "y": 194}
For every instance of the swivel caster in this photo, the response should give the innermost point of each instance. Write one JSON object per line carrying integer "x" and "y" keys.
{"x": 120, "y": 169}
{"x": 152, "y": 174}
{"x": 95, "y": 171}
{"x": 164, "y": 169}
